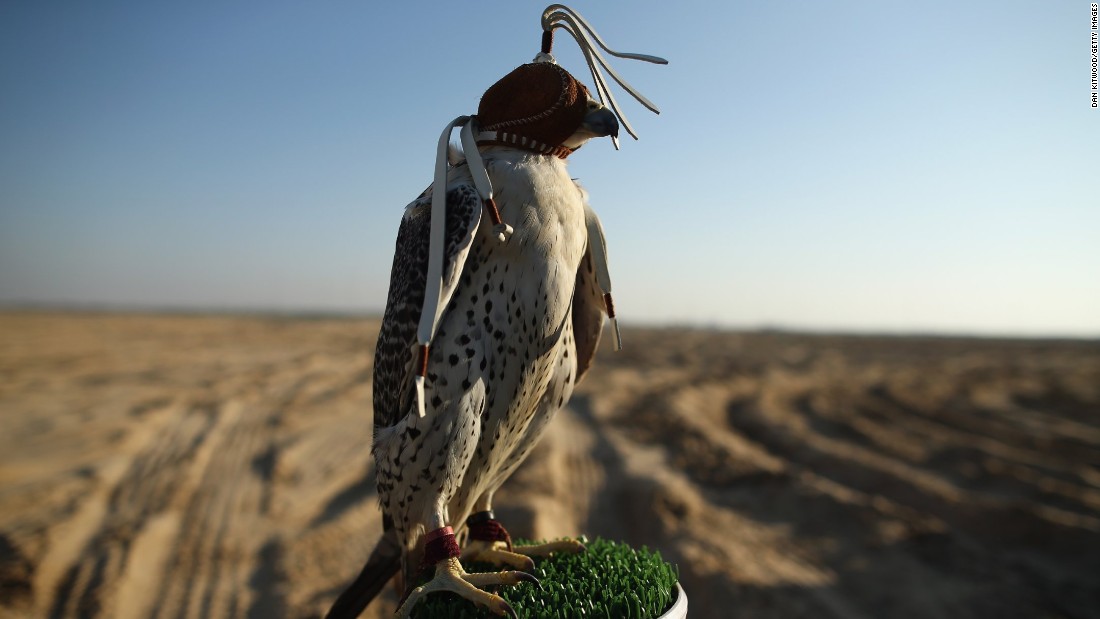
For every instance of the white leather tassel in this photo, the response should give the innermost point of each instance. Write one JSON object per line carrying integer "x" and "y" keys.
{"x": 420, "y": 406}
{"x": 561, "y": 17}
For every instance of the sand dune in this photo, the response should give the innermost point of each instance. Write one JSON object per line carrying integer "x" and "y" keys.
{"x": 208, "y": 467}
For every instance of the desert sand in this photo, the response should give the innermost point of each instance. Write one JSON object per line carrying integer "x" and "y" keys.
{"x": 218, "y": 466}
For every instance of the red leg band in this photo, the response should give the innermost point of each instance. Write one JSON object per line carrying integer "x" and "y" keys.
{"x": 439, "y": 545}
{"x": 484, "y": 527}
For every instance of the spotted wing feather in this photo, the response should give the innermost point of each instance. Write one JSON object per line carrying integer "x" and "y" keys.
{"x": 588, "y": 313}
{"x": 393, "y": 361}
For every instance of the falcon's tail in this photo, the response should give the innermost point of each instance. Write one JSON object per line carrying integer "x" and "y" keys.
{"x": 384, "y": 562}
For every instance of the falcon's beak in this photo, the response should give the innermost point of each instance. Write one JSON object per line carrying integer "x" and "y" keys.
{"x": 600, "y": 123}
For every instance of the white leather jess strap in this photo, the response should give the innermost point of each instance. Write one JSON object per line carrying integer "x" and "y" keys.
{"x": 433, "y": 284}
{"x": 432, "y": 309}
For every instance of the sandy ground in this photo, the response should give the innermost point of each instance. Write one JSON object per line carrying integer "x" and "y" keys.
{"x": 208, "y": 467}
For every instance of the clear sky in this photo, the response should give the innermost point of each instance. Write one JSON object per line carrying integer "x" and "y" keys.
{"x": 865, "y": 166}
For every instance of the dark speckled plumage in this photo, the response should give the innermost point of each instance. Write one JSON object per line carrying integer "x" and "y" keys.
{"x": 521, "y": 323}
{"x": 393, "y": 393}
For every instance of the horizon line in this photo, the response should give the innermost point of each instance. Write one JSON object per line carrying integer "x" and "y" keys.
{"x": 10, "y": 306}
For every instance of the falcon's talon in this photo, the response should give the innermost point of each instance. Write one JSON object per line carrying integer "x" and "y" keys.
{"x": 450, "y": 576}
{"x": 571, "y": 546}
{"x": 485, "y": 579}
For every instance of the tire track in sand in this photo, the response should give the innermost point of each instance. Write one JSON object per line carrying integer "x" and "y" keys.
{"x": 139, "y": 481}
{"x": 210, "y": 575}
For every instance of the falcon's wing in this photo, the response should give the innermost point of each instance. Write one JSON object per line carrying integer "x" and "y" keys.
{"x": 588, "y": 311}
{"x": 393, "y": 360}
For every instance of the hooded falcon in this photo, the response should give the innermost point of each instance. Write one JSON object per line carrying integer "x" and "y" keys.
{"x": 496, "y": 302}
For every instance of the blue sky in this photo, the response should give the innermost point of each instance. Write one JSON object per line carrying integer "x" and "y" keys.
{"x": 863, "y": 166}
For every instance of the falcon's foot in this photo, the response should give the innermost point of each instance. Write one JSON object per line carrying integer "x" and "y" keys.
{"x": 496, "y": 553}
{"x": 449, "y": 576}
{"x": 491, "y": 543}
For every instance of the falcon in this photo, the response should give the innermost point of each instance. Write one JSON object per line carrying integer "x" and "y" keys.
{"x": 496, "y": 304}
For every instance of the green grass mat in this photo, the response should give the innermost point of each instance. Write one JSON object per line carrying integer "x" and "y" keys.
{"x": 609, "y": 580}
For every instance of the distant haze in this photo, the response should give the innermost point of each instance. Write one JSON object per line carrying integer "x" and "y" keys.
{"x": 836, "y": 165}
